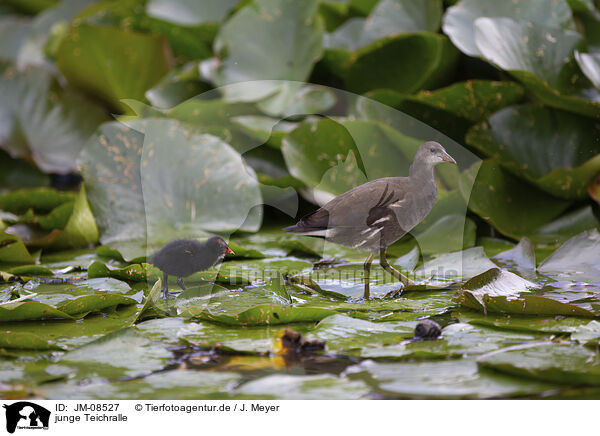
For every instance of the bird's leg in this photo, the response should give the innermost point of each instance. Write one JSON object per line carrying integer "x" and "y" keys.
{"x": 165, "y": 288}
{"x": 367, "y": 267}
{"x": 180, "y": 283}
{"x": 393, "y": 271}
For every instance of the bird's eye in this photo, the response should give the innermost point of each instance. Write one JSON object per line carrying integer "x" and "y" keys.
{"x": 432, "y": 150}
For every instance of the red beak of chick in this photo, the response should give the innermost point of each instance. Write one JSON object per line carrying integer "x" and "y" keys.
{"x": 229, "y": 251}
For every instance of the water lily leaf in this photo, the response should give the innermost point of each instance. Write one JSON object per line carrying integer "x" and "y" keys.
{"x": 19, "y": 173}
{"x": 111, "y": 63}
{"x": 520, "y": 258}
{"x": 590, "y": 65}
{"x": 459, "y": 20}
{"x": 174, "y": 385}
{"x": 124, "y": 352}
{"x": 263, "y": 315}
{"x": 12, "y": 250}
{"x": 453, "y": 379}
{"x": 27, "y": 310}
{"x": 189, "y": 13}
{"x": 455, "y": 267}
{"x": 110, "y": 166}
{"x": 250, "y": 340}
{"x": 576, "y": 259}
{"x": 43, "y": 120}
{"x": 389, "y": 17}
{"x": 385, "y": 63}
{"x": 516, "y": 136}
{"x": 500, "y": 291}
{"x": 513, "y": 207}
{"x": 457, "y": 340}
{"x": 212, "y": 189}
{"x": 472, "y": 100}
{"x": 541, "y": 57}
{"x": 542, "y": 324}
{"x": 556, "y": 363}
{"x": 332, "y": 157}
{"x": 64, "y": 334}
{"x": 345, "y": 335}
{"x": 39, "y": 199}
{"x": 303, "y": 387}
{"x": 588, "y": 333}
{"x": 249, "y": 52}
{"x": 177, "y": 86}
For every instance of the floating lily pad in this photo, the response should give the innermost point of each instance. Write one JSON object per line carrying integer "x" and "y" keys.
{"x": 176, "y": 87}
{"x": 122, "y": 353}
{"x": 249, "y": 52}
{"x": 520, "y": 258}
{"x": 576, "y": 259}
{"x": 405, "y": 63}
{"x": 12, "y": 250}
{"x": 389, "y": 17}
{"x": 540, "y": 57}
{"x": 555, "y": 363}
{"x": 43, "y": 120}
{"x": 266, "y": 314}
{"x": 455, "y": 267}
{"x": 300, "y": 387}
{"x": 513, "y": 207}
{"x": 459, "y": 20}
{"x": 111, "y": 63}
{"x": 516, "y": 136}
{"x": 446, "y": 379}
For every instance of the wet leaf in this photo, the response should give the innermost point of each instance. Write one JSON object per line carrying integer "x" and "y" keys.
{"x": 111, "y": 63}
{"x": 518, "y": 137}
{"x": 514, "y": 208}
{"x": 12, "y": 250}
{"x": 446, "y": 379}
{"x": 556, "y": 363}
{"x": 576, "y": 259}
{"x": 459, "y": 20}
{"x": 389, "y": 17}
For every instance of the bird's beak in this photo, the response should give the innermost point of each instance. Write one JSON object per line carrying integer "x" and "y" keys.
{"x": 229, "y": 251}
{"x": 447, "y": 158}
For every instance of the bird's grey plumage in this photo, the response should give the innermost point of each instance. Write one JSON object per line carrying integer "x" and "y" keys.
{"x": 378, "y": 213}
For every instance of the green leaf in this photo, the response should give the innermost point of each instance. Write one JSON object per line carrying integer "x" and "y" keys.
{"x": 459, "y": 20}
{"x": 576, "y": 259}
{"x": 590, "y": 65}
{"x": 459, "y": 378}
{"x": 39, "y": 199}
{"x": 304, "y": 387}
{"x": 44, "y": 121}
{"x": 390, "y": 17}
{"x": 556, "y": 363}
{"x": 263, "y": 315}
{"x": 500, "y": 291}
{"x": 405, "y": 63}
{"x": 516, "y": 138}
{"x": 458, "y": 266}
{"x": 80, "y": 229}
{"x": 189, "y": 12}
{"x": 514, "y": 208}
{"x": 110, "y": 63}
{"x": 177, "y": 86}
{"x": 248, "y": 51}
{"x": 12, "y": 250}
{"x": 521, "y": 257}
{"x": 541, "y": 57}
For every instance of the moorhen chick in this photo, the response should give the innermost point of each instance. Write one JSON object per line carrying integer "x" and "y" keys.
{"x": 378, "y": 213}
{"x": 183, "y": 257}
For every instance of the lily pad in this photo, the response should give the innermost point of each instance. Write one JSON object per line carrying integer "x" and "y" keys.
{"x": 405, "y": 63}
{"x": 576, "y": 259}
{"x": 111, "y": 63}
{"x": 248, "y": 51}
{"x": 520, "y": 258}
{"x": 513, "y": 207}
{"x": 590, "y": 65}
{"x": 516, "y": 136}
{"x": 443, "y": 380}
{"x": 43, "y": 120}
{"x": 12, "y": 250}
{"x": 389, "y": 17}
{"x": 301, "y": 387}
{"x": 459, "y": 20}
{"x": 266, "y": 314}
{"x": 540, "y": 57}
{"x": 555, "y": 363}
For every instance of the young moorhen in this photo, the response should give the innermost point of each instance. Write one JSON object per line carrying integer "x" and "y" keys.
{"x": 378, "y": 213}
{"x": 183, "y": 257}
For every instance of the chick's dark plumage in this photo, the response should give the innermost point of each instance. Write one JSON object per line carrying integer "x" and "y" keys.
{"x": 183, "y": 257}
